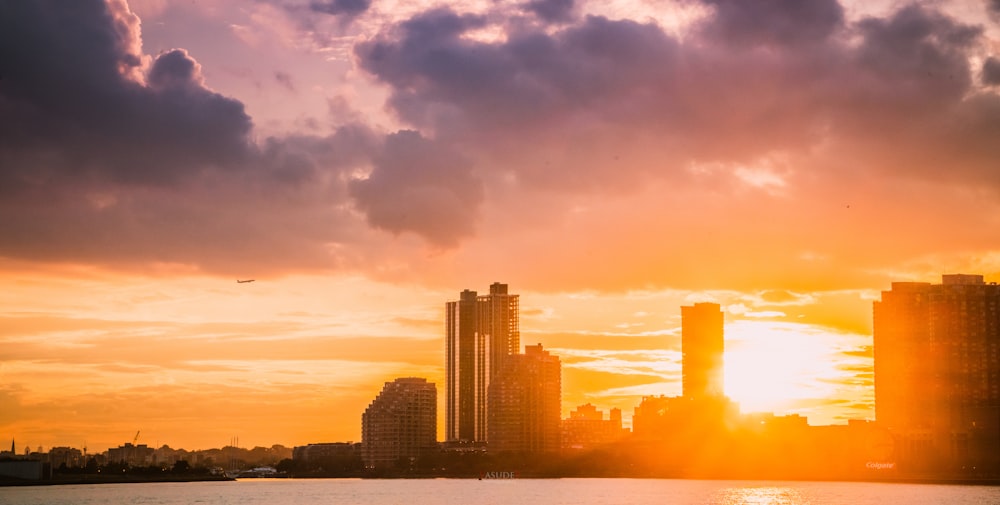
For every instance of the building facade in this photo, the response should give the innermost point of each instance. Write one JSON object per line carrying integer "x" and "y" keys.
{"x": 480, "y": 332}
{"x": 525, "y": 401}
{"x": 587, "y": 428}
{"x": 131, "y": 455}
{"x": 400, "y": 424}
{"x": 937, "y": 372}
{"x": 702, "y": 348}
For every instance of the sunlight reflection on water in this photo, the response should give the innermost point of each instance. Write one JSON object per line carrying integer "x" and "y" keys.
{"x": 502, "y": 492}
{"x": 760, "y": 496}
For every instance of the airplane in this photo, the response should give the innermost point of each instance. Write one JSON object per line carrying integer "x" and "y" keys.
{"x": 242, "y": 282}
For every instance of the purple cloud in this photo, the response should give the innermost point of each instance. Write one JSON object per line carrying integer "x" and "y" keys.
{"x": 422, "y": 186}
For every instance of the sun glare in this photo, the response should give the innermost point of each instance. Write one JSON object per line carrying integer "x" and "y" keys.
{"x": 778, "y": 367}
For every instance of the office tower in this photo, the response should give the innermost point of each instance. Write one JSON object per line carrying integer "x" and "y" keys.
{"x": 702, "y": 351}
{"x": 937, "y": 372}
{"x": 525, "y": 403}
{"x": 480, "y": 332}
{"x": 400, "y": 424}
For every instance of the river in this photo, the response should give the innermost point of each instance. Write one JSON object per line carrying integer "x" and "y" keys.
{"x": 501, "y": 491}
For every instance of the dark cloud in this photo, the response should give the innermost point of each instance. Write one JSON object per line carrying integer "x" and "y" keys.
{"x": 109, "y": 157}
{"x": 781, "y": 23}
{"x": 74, "y": 104}
{"x": 991, "y": 71}
{"x": 910, "y": 84}
{"x": 421, "y": 186}
{"x": 551, "y": 11}
{"x": 552, "y": 89}
{"x": 754, "y": 78}
{"x": 323, "y": 21}
{"x": 347, "y": 8}
{"x": 127, "y": 151}
{"x": 285, "y": 79}
{"x": 993, "y": 6}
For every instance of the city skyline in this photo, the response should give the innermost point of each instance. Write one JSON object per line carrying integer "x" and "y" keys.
{"x": 362, "y": 162}
{"x": 706, "y": 327}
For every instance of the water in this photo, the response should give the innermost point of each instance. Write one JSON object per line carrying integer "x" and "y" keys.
{"x": 489, "y": 492}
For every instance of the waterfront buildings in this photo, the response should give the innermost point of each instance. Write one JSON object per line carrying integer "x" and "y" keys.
{"x": 586, "y": 428}
{"x": 316, "y": 453}
{"x": 525, "y": 403}
{"x": 400, "y": 424}
{"x": 937, "y": 372}
{"x": 481, "y": 331}
{"x": 702, "y": 350}
{"x": 131, "y": 455}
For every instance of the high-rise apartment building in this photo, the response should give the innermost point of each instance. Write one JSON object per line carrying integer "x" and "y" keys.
{"x": 525, "y": 401}
{"x": 480, "y": 332}
{"x": 462, "y": 348}
{"x": 937, "y": 370}
{"x": 702, "y": 351}
{"x": 400, "y": 424}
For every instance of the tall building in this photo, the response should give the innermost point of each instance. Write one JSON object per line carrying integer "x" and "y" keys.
{"x": 462, "y": 412}
{"x": 480, "y": 332}
{"x": 937, "y": 371}
{"x": 702, "y": 351}
{"x": 498, "y": 318}
{"x": 400, "y": 424}
{"x": 525, "y": 403}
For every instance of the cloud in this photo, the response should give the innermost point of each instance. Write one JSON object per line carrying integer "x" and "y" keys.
{"x": 588, "y": 126}
{"x": 421, "y": 186}
{"x": 76, "y": 105}
{"x": 765, "y": 78}
{"x": 551, "y": 11}
{"x": 572, "y": 118}
{"x": 285, "y": 79}
{"x": 991, "y": 71}
{"x": 110, "y": 156}
{"x": 347, "y": 8}
{"x": 781, "y": 23}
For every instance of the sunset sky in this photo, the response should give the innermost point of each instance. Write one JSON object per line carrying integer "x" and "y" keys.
{"x": 366, "y": 160}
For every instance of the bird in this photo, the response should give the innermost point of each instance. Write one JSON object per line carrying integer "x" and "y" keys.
{"x": 243, "y": 282}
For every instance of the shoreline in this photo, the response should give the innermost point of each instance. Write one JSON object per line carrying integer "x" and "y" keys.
{"x": 125, "y": 479}
{"x": 139, "y": 479}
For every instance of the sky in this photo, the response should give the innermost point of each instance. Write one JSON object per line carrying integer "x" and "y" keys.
{"x": 365, "y": 160}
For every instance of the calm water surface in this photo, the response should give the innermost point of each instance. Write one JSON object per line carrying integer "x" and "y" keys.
{"x": 487, "y": 492}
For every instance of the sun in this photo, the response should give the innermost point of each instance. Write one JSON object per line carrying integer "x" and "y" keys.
{"x": 777, "y": 367}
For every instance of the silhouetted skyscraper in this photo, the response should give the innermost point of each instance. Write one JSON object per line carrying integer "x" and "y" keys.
{"x": 400, "y": 423}
{"x": 525, "y": 403}
{"x": 702, "y": 350}
{"x": 498, "y": 317}
{"x": 462, "y": 414}
{"x": 937, "y": 369}
{"x": 480, "y": 332}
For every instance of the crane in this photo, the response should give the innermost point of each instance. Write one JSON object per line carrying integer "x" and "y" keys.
{"x": 136, "y": 439}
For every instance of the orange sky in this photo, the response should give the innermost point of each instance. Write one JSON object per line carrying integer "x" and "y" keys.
{"x": 610, "y": 161}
